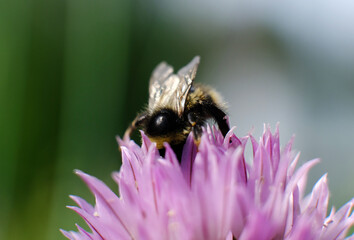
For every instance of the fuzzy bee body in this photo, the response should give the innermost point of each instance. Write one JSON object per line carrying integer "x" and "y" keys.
{"x": 178, "y": 107}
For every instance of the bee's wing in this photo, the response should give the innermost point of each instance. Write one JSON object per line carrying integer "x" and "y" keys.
{"x": 171, "y": 90}
{"x": 159, "y": 81}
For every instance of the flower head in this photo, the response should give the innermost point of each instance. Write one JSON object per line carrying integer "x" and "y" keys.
{"x": 212, "y": 194}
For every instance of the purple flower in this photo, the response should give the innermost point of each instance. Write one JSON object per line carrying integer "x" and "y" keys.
{"x": 213, "y": 194}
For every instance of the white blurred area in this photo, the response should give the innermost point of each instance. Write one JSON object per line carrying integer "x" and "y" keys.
{"x": 282, "y": 61}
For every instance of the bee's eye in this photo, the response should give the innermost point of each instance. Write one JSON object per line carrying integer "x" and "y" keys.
{"x": 161, "y": 120}
{"x": 162, "y": 123}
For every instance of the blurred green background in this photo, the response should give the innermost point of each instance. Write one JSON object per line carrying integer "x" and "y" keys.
{"x": 74, "y": 73}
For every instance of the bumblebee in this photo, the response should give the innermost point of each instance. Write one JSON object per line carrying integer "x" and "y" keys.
{"x": 177, "y": 107}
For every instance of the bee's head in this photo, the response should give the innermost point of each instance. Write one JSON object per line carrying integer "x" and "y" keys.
{"x": 163, "y": 122}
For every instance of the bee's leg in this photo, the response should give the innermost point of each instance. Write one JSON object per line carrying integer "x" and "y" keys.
{"x": 136, "y": 123}
{"x": 219, "y": 116}
{"x": 197, "y": 132}
{"x": 196, "y": 123}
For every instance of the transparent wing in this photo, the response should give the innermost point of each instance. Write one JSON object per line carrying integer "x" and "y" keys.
{"x": 170, "y": 90}
{"x": 158, "y": 83}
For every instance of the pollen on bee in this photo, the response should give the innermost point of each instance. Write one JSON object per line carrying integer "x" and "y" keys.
{"x": 197, "y": 141}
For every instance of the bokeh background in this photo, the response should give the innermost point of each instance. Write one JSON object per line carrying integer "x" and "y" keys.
{"x": 73, "y": 74}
